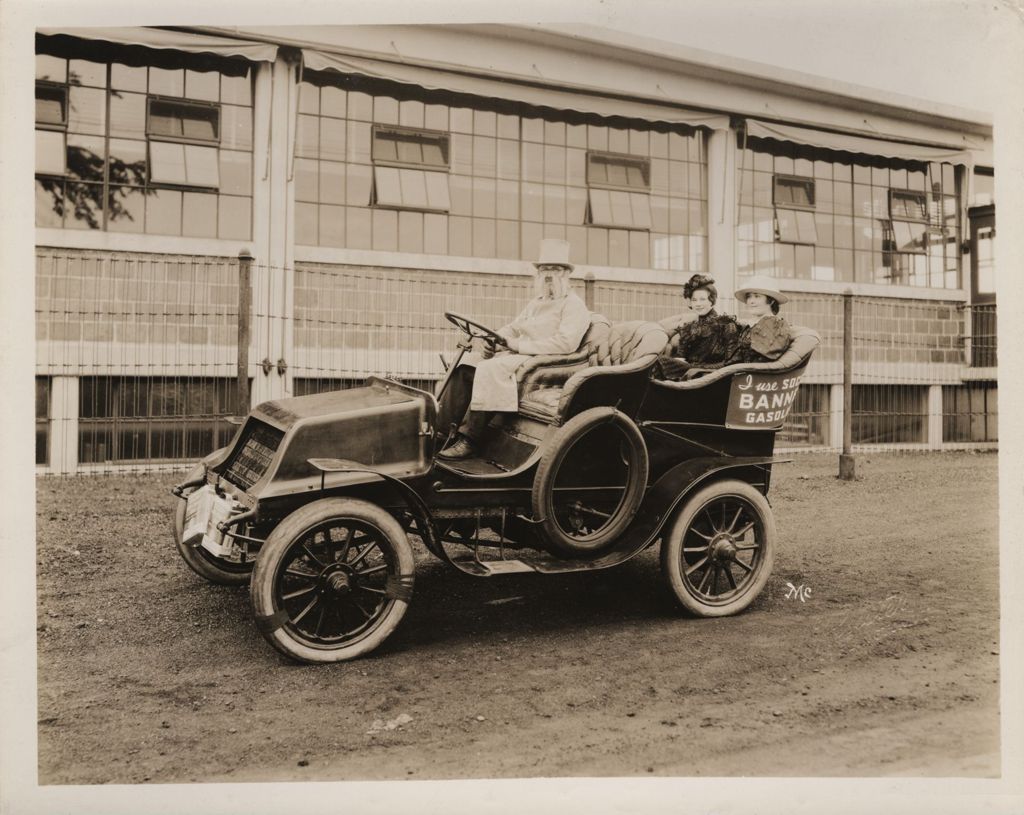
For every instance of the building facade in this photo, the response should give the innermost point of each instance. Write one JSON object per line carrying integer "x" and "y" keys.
{"x": 379, "y": 176}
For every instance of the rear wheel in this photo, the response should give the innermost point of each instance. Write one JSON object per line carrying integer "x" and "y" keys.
{"x": 199, "y": 560}
{"x": 332, "y": 581}
{"x": 590, "y": 482}
{"x": 719, "y": 549}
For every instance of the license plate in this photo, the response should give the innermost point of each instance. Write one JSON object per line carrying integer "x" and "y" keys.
{"x": 203, "y": 511}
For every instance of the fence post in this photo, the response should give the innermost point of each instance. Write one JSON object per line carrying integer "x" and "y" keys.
{"x": 244, "y": 330}
{"x": 588, "y": 289}
{"x": 846, "y": 462}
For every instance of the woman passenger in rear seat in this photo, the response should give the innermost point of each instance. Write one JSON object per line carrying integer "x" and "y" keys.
{"x": 707, "y": 342}
{"x": 766, "y": 339}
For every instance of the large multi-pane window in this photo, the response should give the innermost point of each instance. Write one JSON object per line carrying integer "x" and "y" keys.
{"x": 138, "y": 418}
{"x": 389, "y": 167}
{"x": 163, "y": 147}
{"x": 970, "y": 412}
{"x": 815, "y": 214}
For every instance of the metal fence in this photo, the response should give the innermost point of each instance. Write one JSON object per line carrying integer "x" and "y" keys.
{"x": 138, "y": 356}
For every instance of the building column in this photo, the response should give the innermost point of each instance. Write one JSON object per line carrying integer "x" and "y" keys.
{"x": 274, "y": 125}
{"x": 835, "y": 416}
{"x": 64, "y": 425}
{"x": 934, "y": 417}
{"x": 722, "y": 214}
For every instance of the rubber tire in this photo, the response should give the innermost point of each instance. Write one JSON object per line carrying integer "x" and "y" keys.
{"x": 672, "y": 543}
{"x": 565, "y": 437}
{"x": 261, "y": 589}
{"x": 204, "y": 563}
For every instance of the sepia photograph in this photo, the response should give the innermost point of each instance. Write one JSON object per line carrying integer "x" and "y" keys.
{"x": 455, "y": 408}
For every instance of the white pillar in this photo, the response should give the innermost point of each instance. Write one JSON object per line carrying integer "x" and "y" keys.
{"x": 722, "y": 213}
{"x": 835, "y": 417}
{"x": 64, "y": 425}
{"x": 935, "y": 417}
{"x": 274, "y": 126}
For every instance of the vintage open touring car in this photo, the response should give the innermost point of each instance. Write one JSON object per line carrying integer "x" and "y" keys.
{"x": 316, "y": 497}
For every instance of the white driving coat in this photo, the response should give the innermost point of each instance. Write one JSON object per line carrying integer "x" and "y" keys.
{"x": 545, "y": 326}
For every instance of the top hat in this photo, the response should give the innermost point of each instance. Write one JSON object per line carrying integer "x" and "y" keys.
{"x": 762, "y": 285}
{"x": 554, "y": 252}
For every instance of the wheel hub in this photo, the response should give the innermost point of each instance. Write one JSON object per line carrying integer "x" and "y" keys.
{"x": 339, "y": 582}
{"x": 723, "y": 548}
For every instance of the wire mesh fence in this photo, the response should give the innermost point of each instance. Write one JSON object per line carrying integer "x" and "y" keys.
{"x": 138, "y": 355}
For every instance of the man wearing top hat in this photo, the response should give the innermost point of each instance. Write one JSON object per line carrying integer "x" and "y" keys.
{"x": 553, "y": 322}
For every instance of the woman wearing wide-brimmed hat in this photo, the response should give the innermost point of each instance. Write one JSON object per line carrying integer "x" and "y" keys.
{"x": 765, "y": 339}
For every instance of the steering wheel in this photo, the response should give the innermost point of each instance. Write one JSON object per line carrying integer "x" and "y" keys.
{"x": 475, "y": 330}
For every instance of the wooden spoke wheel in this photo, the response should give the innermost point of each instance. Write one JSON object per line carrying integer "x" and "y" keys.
{"x": 719, "y": 549}
{"x": 333, "y": 580}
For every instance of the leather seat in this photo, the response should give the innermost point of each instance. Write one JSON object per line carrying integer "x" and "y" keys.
{"x": 607, "y": 349}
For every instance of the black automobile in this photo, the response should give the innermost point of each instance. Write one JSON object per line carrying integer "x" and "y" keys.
{"x": 316, "y": 498}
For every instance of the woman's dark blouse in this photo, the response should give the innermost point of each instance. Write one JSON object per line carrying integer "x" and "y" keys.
{"x": 710, "y": 340}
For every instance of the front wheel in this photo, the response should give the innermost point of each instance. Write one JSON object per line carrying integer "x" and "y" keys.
{"x": 719, "y": 549}
{"x": 332, "y": 581}
{"x": 199, "y": 560}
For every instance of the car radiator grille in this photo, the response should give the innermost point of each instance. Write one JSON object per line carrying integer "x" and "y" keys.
{"x": 253, "y": 454}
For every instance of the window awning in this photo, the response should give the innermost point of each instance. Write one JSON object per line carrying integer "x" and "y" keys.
{"x": 172, "y": 40}
{"x": 510, "y": 89}
{"x": 858, "y": 144}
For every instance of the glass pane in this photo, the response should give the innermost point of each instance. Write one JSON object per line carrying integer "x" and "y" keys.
{"x": 785, "y": 220}
{"x": 307, "y": 138}
{"x": 437, "y": 191}
{"x": 332, "y": 224}
{"x": 201, "y": 166}
{"x": 433, "y": 154}
{"x": 163, "y": 211}
{"x": 200, "y": 123}
{"x": 622, "y": 212}
{"x": 50, "y": 152}
{"x": 236, "y": 127}
{"x": 617, "y": 175}
{"x": 388, "y": 186}
{"x": 84, "y": 206}
{"x": 87, "y": 111}
{"x": 385, "y": 230}
{"x": 409, "y": 151}
{"x": 306, "y": 224}
{"x": 86, "y": 72}
{"x": 601, "y": 207}
{"x": 167, "y": 81}
{"x": 485, "y": 198}
{"x": 414, "y": 188}
{"x": 332, "y": 139}
{"x": 199, "y": 215}
{"x": 332, "y": 102}
{"x": 641, "y": 207}
{"x": 204, "y": 85}
{"x": 806, "y": 228}
{"x": 332, "y": 183}
{"x": 598, "y": 172}
{"x": 234, "y": 216}
{"x": 384, "y": 148}
{"x": 128, "y": 115}
{"x": 49, "y": 202}
{"x": 167, "y": 163}
{"x": 126, "y": 209}
{"x": 236, "y": 89}
{"x": 309, "y": 98}
{"x": 127, "y": 78}
{"x": 86, "y": 157}
{"x": 358, "y": 184}
{"x": 307, "y": 177}
{"x": 50, "y": 104}
{"x": 236, "y": 172}
{"x": 55, "y": 69}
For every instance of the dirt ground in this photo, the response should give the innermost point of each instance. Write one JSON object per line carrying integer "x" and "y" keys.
{"x": 887, "y": 664}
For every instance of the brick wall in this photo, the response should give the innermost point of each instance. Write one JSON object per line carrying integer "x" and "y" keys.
{"x": 116, "y": 312}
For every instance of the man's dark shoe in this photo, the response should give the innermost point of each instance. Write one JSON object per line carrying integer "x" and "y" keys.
{"x": 460, "y": 448}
